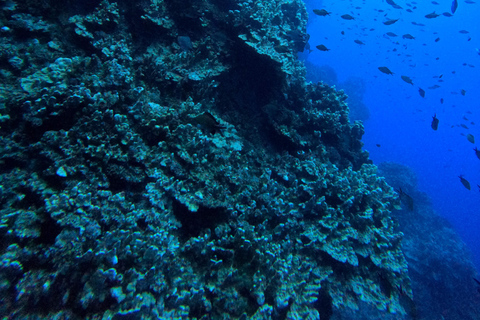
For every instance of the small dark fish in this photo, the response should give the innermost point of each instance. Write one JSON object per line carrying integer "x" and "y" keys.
{"x": 441, "y": 100}
{"x": 471, "y": 138}
{"x": 185, "y": 43}
{"x": 282, "y": 49}
{"x": 454, "y": 6}
{"x": 435, "y": 86}
{"x": 391, "y": 34}
{"x": 389, "y": 22}
{"x": 431, "y": 15}
{"x": 208, "y": 122}
{"x": 378, "y": 146}
{"x": 447, "y": 14}
{"x": 407, "y": 79}
{"x": 422, "y": 92}
{"x": 358, "y": 42}
{"x": 435, "y": 3}
{"x": 477, "y": 153}
{"x": 405, "y": 199}
{"x": 438, "y": 39}
{"x": 464, "y": 126}
{"x": 463, "y": 31}
{"x": 385, "y": 70}
{"x": 343, "y": 32}
{"x": 408, "y": 36}
{"x": 321, "y": 12}
{"x": 393, "y": 4}
{"x": 347, "y": 17}
{"x": 465, "y": 182}
{"x": 463, "y": 92}
{"x": 435, "y": 122}
{"x": 321, "y": 47}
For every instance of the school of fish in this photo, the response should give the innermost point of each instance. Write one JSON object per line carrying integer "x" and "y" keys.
{"x": 384, "y": 69}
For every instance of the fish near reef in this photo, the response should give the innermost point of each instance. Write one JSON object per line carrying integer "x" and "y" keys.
{"x": 408, "y": 36}
{"x": 405, "y": 199}
{"x": 185, "y": 43}
{"x": 385, "y": 70}
{"x": 208, "y": 122}
{"x": 407, "y": 80}
{"x": 321, "y": 47}
{"x": 465, "y": 182}
{"x": 435, "y": 122}
{"x": 321, "y": 12}
{"x": 478, "y": 282}
{"x": 359, "y": 42}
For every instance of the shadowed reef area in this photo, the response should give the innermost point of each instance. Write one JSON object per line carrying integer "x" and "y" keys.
{"x": 168, "y": 160}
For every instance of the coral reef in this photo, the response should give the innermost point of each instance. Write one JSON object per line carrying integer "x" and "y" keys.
{"x": 117, "y": 203}
{"x": 439, "y": 263}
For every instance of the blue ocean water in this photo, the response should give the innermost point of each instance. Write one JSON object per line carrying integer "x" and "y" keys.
{"x": 443, "y": 60}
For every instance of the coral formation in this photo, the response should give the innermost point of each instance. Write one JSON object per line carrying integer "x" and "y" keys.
{"x": 115, "y": 203}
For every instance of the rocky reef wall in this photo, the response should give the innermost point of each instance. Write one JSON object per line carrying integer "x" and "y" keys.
{"x": 168, "y": 160}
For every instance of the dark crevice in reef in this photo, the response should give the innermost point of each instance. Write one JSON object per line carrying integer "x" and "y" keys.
{"x": 195, "y": 223}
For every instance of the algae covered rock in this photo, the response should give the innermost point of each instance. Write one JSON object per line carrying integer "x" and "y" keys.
{"x": 117, "y": 201}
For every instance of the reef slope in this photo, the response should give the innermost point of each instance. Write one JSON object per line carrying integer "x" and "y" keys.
{"x": 168, "y": 160}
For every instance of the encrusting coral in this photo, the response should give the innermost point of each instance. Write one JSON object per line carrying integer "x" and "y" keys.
{"x": 116, "y": 203}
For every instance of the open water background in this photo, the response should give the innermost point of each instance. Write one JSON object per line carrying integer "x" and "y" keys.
{"x": 400, "y": 118}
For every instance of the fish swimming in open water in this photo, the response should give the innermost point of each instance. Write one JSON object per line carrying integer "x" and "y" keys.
{"x": 347, "y": 17}
{"x": 389, "y": 22}
{"x": 385, "y": 70}
{"x": 454, "y": 6}
{"x": 421, "y": 92}
{"x": 471, "y": 138}
{"x": 435, "y": 122}
{"x": 407, "y": 79}
{"x": 465, "y": 182}
{"x": 431, "y": 15}
{"x": 477, "y": 153}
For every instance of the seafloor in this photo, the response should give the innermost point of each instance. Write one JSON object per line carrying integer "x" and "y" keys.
{"x": 168, "y": 160}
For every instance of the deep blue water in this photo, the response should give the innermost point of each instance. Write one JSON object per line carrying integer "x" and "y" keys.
{"x": 400, "y": 118}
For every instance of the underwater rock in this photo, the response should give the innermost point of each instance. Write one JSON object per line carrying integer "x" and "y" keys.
{"x": 127, "y": 208}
